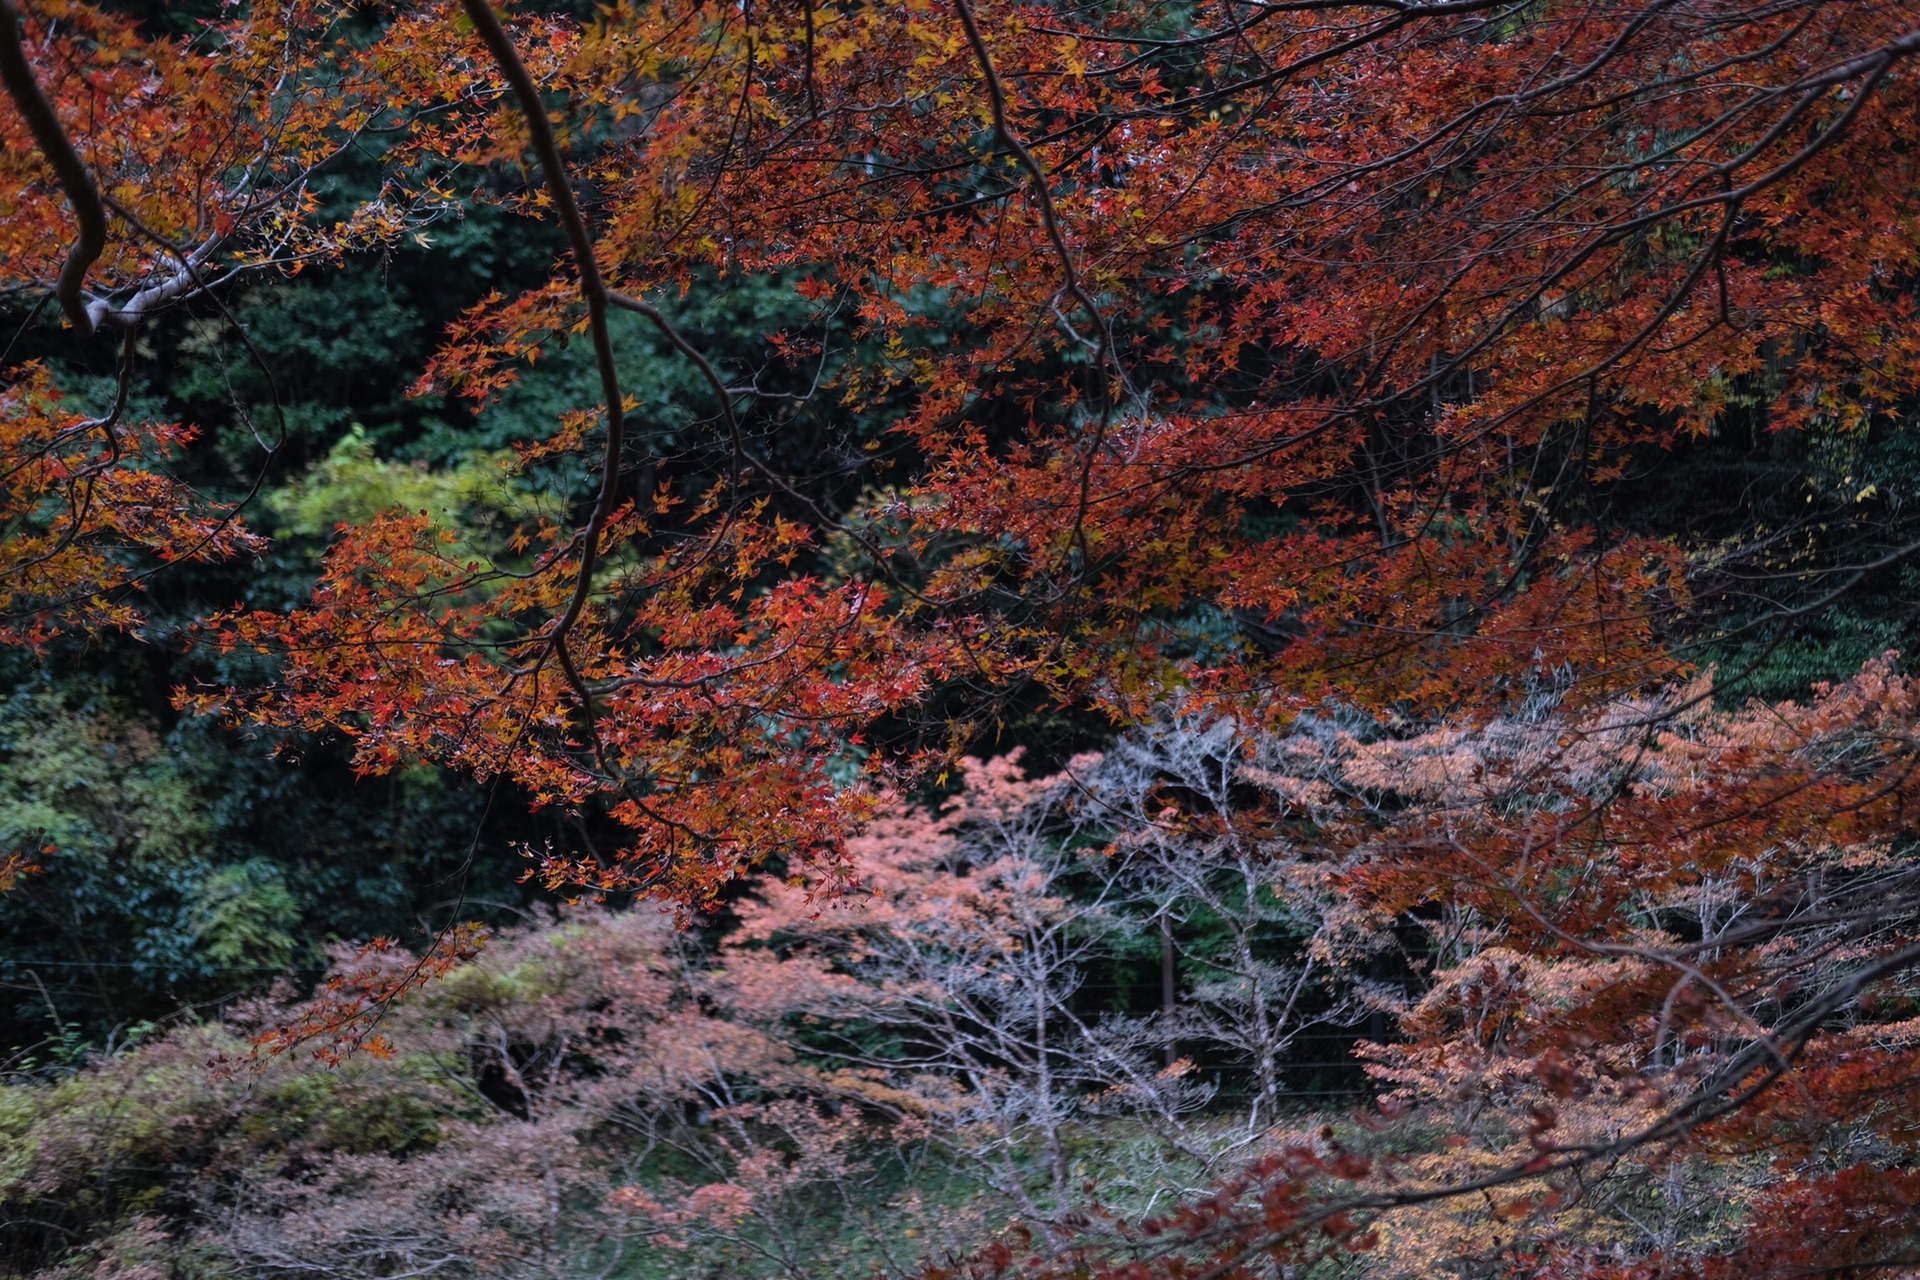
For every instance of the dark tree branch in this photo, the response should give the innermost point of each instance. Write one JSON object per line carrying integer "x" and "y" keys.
{"x": 71, "y": 171}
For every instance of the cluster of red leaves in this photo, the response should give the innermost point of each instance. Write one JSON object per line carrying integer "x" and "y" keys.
{"x": 344, "y": 1014}
{"x": 715, "y": 713}
{"x": 204, "y": 148}
{"x": 13, "y": 866}
{"x": 80, "y": 498}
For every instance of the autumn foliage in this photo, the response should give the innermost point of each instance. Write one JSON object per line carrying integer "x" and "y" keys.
{"x": 1262, "y": 379}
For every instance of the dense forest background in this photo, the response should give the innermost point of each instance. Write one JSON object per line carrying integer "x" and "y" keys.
{"x": 786, "y": 1103}
{"x": 195, "y": 863}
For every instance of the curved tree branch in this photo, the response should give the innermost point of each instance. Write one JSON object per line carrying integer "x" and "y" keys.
{"x": 593, "y": 292}
{"x": 76, "y": 181}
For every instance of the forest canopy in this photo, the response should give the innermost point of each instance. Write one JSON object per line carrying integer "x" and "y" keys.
{"x": 1131, "y": 640}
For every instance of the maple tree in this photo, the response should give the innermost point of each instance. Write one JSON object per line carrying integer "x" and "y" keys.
{"x": 1666, "y": 955}
{"x": 961, "y": 959}
{"x": 1263, "y": 359}
{"x": 1453, "y": 268}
